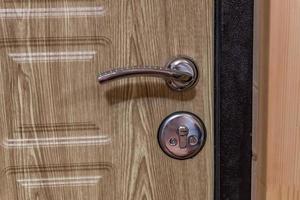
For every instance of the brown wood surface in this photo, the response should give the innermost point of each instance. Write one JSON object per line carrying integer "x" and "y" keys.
{"x": 65, "y": 137}
{"x": 276, "y": 144}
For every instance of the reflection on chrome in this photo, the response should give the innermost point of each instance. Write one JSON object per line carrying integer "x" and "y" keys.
{"x": 67, "y": 56}
{"x": 60, "y": 181}
{"x": 56, "y": 141}
{"x": 51, "y": 12}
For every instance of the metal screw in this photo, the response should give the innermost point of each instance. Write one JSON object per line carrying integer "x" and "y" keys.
{"x": 173, "y": 141}
{"x": 193, "y": 140}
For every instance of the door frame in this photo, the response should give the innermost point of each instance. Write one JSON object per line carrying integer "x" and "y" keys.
{"x": 233, "y": 63}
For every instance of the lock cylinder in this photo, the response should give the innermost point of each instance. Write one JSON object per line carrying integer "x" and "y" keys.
{"x": 182, "y": 135}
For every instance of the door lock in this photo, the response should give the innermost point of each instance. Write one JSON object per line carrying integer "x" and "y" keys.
{"x": 181, "y": 135}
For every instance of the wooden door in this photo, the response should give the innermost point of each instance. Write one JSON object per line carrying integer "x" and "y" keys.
{"x": 63, "y": 136}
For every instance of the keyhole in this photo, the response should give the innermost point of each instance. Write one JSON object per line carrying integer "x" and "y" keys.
{"x": 183, "y": 131}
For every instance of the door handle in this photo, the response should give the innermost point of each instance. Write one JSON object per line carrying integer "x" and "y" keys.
{"x": 180, "y": 74}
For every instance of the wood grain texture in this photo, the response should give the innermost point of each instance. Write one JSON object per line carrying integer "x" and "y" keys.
{"x": 65, "y": 137}
{"x": 276, "y": 144}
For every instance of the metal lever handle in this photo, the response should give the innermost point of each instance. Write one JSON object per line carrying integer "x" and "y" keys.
{"x": 144, "y": 71}
{"x": 180, "y": 74}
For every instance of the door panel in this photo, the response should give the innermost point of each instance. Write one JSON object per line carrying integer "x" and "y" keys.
{"x": 66, "y": 137}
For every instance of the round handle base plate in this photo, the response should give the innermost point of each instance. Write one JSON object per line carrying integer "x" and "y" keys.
{"x": 183, "y": 64}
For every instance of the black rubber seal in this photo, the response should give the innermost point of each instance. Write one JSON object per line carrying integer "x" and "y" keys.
{"x": 233, "y": 99}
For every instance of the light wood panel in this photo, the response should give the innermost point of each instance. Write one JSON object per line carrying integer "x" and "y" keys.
{"x": 65, "y": 137}
{"x": 276, "y": 166}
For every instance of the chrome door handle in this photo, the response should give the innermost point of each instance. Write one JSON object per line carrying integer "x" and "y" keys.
{"x": 180, "y": 74}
